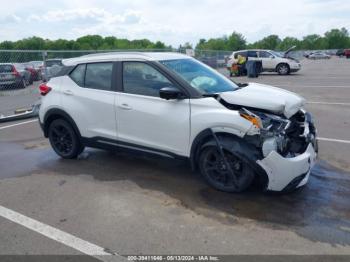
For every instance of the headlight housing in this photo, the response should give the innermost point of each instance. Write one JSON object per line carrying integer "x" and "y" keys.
{"x": 264, "y": 121}
{"x": 251, "y": 117}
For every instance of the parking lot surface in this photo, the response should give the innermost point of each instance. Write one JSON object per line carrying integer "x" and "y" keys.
{"x": 128, "y": 204}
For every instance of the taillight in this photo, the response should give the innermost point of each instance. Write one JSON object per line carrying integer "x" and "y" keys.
{"x": 15, "y": 72}
{"x": 44, "y": 89}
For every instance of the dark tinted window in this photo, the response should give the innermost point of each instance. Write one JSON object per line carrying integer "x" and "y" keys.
{"x": 142, "y": 79}
{"x": 5, "y": 68}
{"x": 264, "y": 54}
{"x": 252, "y": 54}
{"x": 99, "y": 76}
{"x": 78, "y": 75}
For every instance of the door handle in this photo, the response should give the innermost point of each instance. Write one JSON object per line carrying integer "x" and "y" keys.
{"x": 68, "y": 92}
{"x": 125, "y": 107}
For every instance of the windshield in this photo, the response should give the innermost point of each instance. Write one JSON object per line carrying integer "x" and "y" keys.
{"x": 200, "y": 76}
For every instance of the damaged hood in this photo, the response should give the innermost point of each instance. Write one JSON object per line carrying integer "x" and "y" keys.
{"x": 272, "y": 99}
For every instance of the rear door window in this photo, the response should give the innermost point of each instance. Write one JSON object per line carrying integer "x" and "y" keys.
{"x": 99, "y": 76}
{"x": 78, "y": 75}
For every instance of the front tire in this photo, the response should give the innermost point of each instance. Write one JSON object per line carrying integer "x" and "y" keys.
{"x": 64, "y": 140}
{"x": 213, "y": 169}
{"x": 283, "y": 69}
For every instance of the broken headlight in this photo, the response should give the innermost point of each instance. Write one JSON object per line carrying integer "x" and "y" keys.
{"x": 268, "y": 124}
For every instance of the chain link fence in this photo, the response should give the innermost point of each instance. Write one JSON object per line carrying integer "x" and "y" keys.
{"x": 22, "y": 71}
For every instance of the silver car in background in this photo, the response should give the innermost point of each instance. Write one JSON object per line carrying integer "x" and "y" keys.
{"x": 319, "y": 55}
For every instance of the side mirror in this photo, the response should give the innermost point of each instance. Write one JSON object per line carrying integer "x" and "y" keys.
{"x": 171, "y": 93}
{"x": 272, "y": 57}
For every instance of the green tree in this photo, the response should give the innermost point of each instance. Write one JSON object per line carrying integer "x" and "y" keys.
{"x": 336, "y": 38}
{"x": 288, "y": 42}
{"x": 269, "y": 42}
{"x": 236, "y": 41}
{"x": 90, "y": 42}
{"x": 313, "y": 42}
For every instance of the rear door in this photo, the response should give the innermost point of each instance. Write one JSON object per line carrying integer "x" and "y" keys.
{"x": 143, "y": 118}
{"x": 88, "y": 97}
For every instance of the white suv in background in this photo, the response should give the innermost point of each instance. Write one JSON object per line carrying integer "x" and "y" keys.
{"x": 272, "y": 61}
{"x": 173, "y": 106}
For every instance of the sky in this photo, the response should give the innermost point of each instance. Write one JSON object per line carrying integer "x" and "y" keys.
{"x": 171, "y": 21}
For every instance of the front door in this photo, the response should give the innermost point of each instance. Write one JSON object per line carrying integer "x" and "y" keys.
{"x": 145, "y": 119}
{"x": 268, "y": 60}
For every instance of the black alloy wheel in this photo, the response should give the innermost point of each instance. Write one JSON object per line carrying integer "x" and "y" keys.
{"x": 64, "y": 139}
{"x": 214, "y": 170}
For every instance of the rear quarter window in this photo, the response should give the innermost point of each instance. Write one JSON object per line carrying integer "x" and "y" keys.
{"x": 57, "y": 71}
{"x": 78, "y": 75}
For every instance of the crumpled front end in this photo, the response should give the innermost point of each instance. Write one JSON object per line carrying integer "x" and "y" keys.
{"x": 290, "y": 153}
{"x": 286, "y": 174}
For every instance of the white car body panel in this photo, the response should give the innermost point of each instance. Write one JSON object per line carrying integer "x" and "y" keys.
{"x": 92, "y": 110}
{"x": 53, "y": 100}
{"x": 281, "y": 171}
{"x": 209, "y": 113}
{"x": 154, "y": 122}
{"x": 266, "y": 97}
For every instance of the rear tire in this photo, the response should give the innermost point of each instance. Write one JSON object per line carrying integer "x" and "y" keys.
{"x": 64, "y": 140}
{"x": 215, "y": 172}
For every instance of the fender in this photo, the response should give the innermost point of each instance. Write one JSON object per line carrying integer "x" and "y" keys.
{"x": 55, "y": 113}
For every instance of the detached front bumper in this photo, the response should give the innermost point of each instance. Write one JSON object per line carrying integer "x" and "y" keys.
{"x": 288, "y": 173}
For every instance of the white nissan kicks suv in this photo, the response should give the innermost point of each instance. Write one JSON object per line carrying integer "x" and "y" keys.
{"x": 171, "y": 105}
